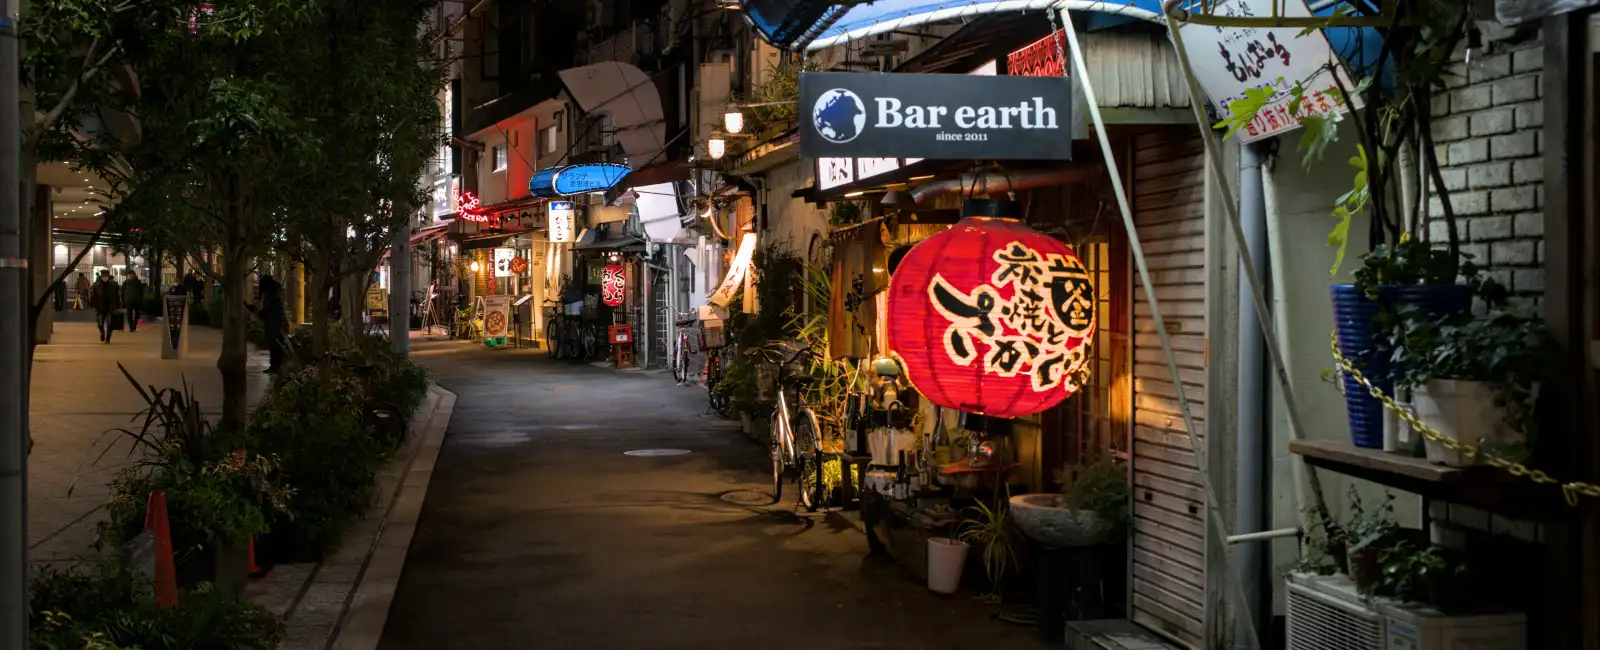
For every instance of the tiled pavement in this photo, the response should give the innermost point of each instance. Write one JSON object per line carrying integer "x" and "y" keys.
{"x": 78, "y": 395}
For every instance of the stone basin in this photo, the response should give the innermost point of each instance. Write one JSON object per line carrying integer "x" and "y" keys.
{"x": 1042, "y": 518}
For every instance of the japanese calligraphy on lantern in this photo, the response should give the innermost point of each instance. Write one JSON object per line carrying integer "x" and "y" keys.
{"x": 1230, "y": 60}
{"x": 992, "y": 317}
{"x": 1038, "y": 330}
{"x": 611, "y": 285}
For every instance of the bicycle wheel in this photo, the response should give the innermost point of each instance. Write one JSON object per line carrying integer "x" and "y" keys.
{"x": 778, "y": 464}
{"x": 719, "y": 400}
{"x": 552, "y": 332}
{"x": 680, "y": 363}
{"x": 809, "y": 458}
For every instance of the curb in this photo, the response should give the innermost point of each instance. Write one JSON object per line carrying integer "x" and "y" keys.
{"x": 343, "y": 601}
{"x": 367, "y": 611}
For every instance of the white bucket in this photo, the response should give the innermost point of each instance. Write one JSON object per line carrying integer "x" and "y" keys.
{"x": 946, "y": 558}
{"x": 1463, "y": 411}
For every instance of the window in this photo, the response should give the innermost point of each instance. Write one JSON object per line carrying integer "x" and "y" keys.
{"x": 547, "y": 139}
{"x": 500, "y": 157}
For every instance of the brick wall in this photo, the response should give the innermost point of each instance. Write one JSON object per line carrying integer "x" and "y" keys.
{"x": 1489, "y": 136}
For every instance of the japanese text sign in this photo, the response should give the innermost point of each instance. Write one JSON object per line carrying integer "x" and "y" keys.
{"x": 502, "y": 262}
{"x": 992, "y": 317}
{"x": 560, "y": 221}
{"x": 612, "y": 282}
{"x": 1230, "y": 60}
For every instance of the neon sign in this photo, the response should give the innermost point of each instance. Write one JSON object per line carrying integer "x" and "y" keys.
{"x": 467, "y": 207}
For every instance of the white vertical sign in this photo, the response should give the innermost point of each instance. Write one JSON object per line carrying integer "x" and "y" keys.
{"x": 560, "y": 221}
{"x": 502, "y": 262}
{"x": 1230, "y": 60}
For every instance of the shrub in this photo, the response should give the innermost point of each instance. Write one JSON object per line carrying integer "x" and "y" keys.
{"x": 105, "y": 607}
{"x": 313, "y": 421}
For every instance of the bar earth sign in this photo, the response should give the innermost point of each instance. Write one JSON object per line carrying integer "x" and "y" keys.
{"x": 936, "y": 116}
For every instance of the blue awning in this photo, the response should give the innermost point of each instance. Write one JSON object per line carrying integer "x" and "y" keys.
{"x": 818, "y": 24}
{"x": 576, "y": 179}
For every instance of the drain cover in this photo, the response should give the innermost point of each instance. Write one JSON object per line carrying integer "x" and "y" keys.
{"x": 747, "y": 498}
{"x": 656, "y": 452}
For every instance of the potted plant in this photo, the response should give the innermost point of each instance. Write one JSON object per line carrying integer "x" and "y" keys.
{"x": 1429, "y": 574}
{"x": 1410, "y": 273}
{"x": 1366, "y": 536}
{"x": 991, "y": 530}
{"x": 1475, "y": 379}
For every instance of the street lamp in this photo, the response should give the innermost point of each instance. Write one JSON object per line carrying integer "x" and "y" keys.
{"x": 733, "y": 120}
{"x": 716, "y": 147}
{"x": 474, "y": 266}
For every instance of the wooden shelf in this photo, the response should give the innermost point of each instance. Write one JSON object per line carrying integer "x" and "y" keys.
{"x": 1483, "y": 486}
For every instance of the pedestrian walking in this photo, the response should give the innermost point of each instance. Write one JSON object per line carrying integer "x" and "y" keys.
{"x": 82, "y": 287}
{"x": 133, "y": 299}
{"x": 194, "y": 286}
{"x": 61, "y": 296}
{"x": 274, "y": 320}
{"x": 106, "y": 299}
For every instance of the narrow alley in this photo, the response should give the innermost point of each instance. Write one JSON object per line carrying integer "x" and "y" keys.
{"x": 540, "y": 531}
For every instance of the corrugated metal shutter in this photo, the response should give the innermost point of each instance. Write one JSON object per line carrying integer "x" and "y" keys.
{"x": 1169, "y": 582}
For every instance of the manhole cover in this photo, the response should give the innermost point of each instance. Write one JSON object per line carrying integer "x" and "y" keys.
{"x": 656, "y": 452}
{"x": 747, "y": 498}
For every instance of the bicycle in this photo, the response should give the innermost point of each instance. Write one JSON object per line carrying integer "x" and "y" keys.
{"x": 552, "y": 330}
{"x": 682, "y": 358}
{"x": 721, "y": 402}
{"x": 796, "y": 446}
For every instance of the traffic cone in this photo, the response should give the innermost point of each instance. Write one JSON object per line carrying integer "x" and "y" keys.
{"x": 256, "y": 573}
{"x": 160, "y": 527}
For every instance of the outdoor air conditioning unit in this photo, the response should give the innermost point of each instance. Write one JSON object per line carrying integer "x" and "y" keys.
{"x": 1327, "y": 613}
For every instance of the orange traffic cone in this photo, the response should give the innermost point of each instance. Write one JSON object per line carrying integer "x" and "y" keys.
{"x": 255, "y": 571}
{"x": 160, "y": 527}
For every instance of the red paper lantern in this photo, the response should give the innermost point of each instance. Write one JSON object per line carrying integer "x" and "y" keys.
{"x": 611, "y": 285}
{"x": 991, "y": 316}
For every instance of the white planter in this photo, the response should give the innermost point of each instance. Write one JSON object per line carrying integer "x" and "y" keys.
{"x": 1463, "y": 411}
{"x": 946, "y": 558}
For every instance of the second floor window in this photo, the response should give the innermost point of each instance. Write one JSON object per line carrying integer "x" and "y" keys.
{"x": 547, "y": 139}
{"x": 500, "y": 160}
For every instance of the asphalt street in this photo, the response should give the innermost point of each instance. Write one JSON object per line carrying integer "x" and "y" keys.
{"x": 539, "y": 531}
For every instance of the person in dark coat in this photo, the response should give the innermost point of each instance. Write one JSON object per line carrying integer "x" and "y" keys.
{"x": 274, "y": 320}
{"x": 194, "y": 286}
{"x": 106, "y": 298}
{"x": 133, "y": 299}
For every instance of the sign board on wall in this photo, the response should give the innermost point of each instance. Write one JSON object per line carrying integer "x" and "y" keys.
{"x": 377, "y": 302}
{"x": 613, "y": 284}
{"x": 576, "y": 179}
{"x": 938, "y": 116}
{"x": 834, "y": 172}
{"x": 561, "y": 221}
{"x": 1230, "y": 60}
{"x": 502, "y": 262}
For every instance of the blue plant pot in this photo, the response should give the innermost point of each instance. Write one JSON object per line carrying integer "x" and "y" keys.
{"x": 1353, "y": 316}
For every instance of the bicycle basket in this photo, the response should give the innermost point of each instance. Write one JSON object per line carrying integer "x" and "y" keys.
{"x": 716, "y": 337}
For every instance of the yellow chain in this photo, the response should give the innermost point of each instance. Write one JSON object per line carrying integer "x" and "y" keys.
{"x": 1570, "y": 490}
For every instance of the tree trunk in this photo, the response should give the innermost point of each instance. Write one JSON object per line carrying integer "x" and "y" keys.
{"x": 235, "y": 319}
{"x": 319, "y": 310}
{"x": 353, "y": 301}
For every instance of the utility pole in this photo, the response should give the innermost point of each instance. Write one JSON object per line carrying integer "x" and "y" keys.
{"x": 14, "y": 342}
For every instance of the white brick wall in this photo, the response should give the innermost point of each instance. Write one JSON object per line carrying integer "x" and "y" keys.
{"x": 1488, "y": 133}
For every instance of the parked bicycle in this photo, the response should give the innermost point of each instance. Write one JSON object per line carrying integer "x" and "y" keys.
{"x": 571, "y": 338}
{"x": 796, "y": 436}
{"x": 691, "y": 342}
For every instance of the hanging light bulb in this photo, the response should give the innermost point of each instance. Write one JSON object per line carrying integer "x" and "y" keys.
{"x": 716, "y": 147}
{"x": 475, "y": 266}
{"x": 733, "y": 120}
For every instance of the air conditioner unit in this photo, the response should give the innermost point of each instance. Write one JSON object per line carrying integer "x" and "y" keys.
{"x": 1327, "y": 613}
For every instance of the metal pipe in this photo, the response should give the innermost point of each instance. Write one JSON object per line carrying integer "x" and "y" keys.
{"x": 14, "y": 346}
{"x": 1251, "y": 451}
{"x": 1264, "y": 535}
{"x": 1005, "y": 182}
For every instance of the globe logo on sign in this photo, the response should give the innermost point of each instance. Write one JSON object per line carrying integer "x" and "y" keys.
{"x": 839, "y": 115}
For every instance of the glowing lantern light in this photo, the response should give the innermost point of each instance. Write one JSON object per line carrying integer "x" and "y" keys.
{"x": 717, "y": 147}
{"x": 991, "y": 316}
{"x": 611, "y": 285}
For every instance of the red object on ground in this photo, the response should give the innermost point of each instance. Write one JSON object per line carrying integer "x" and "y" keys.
{"x": 160, "y": 527}
{"x": 254, "y": 569}
{"x": 992, "y": 317}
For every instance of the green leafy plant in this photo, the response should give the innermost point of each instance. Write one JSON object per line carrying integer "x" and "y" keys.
{"x": 1430, "y": 574}
{"x": 1507, "y": 347}
{"x": 1323, "y": 546}
{"x": 844, "y": 213}
{"x": 778, "y": 95}
{"x": 102, "y": 606}
{"x": 1414, "y": 262}
{"x": 990, "y": 529}
{"x": 1101, "y": 486}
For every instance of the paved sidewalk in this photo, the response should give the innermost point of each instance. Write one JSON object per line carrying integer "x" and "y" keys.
{"x": 78, "y": 395}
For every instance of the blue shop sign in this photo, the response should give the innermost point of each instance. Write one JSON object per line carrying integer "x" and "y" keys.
{"x": 576, "y": 179}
